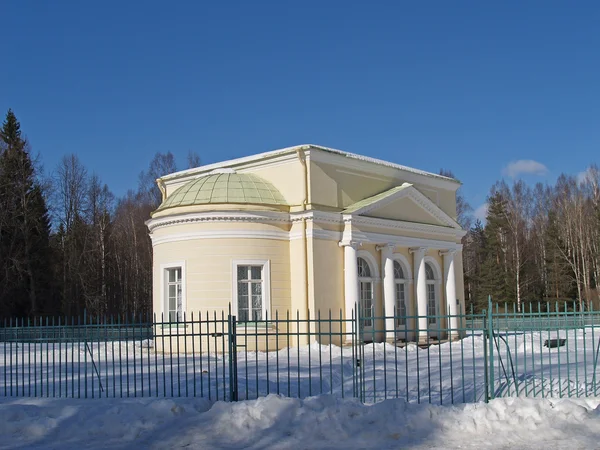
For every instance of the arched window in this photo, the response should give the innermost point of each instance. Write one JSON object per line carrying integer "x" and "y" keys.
{"x": 364, "y": 271}
{"x": 365, "y": 279}
{"x": 401, "y": 294}
{"x": 431, "y": 295}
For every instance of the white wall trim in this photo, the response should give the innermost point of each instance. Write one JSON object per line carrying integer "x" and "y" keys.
{"x": 266, "y": 282}
{"x": 225, "y": 216}
{"x": 367, "y": 238}
{"x": 405, "y": 226}
{"x": 163, "y": 300}
{"x": 402, "y": 241}
{"x": 372, "y": 262}
{"x": 315, "y": 216}
{"x": 222, "y": 234}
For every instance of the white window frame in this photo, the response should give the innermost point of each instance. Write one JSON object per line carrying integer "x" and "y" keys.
{"x": 266, "y": 285}
{"x": 437, "y": 283}
{"x": 163, "y": 288}
{"x": 404, "y": 283}
{"x": 369, "y": 260}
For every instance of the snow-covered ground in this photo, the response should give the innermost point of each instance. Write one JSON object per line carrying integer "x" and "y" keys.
{"x": 273, "y": 422}
{"x": 415, "y": 397}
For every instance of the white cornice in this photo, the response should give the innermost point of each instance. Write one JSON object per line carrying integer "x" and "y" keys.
{"x": 222, "y": 234}
{"x": 388, "y": 224}
{"x": 363, "y": 238}
{"x": 317, "y": 216}
{"x": 402, "y": 241}
{"x": 234, "y": 216}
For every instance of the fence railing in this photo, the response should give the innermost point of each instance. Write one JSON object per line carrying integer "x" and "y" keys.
{"x": 452, "y": 359}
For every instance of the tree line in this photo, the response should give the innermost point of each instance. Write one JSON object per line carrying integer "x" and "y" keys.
{"x": 538, "y": 244}
{"x": 67, "y": 243}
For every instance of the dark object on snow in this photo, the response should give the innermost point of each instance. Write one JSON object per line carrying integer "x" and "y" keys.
{"x": 553, "y": 343}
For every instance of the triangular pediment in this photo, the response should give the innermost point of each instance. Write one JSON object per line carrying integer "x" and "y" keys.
{"x": 403, "y": 203}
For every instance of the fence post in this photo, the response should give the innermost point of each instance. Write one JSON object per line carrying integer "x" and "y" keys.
{"x": 359, "y": 352}
{"x": 233, "y": 385}
{"x": 490, "y": 330}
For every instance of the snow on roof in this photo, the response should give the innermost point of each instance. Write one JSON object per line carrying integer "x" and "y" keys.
{"x": 286, "y": 150}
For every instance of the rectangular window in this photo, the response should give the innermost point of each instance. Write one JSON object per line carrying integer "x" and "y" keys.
{"x": 400, "y": 305}
{"x": 250, "y": 300}
{"x": 174, "y": 294}
{"x": 431, "y": 304}
{"x": 366, "y": 300}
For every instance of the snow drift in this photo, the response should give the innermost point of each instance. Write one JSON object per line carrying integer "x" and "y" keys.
{"x": 286, "y": 423}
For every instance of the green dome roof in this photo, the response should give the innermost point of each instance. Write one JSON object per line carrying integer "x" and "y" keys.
{"x": 227, "y": 187}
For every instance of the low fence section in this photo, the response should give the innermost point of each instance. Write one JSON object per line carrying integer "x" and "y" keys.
{"x": 440, "y": 359}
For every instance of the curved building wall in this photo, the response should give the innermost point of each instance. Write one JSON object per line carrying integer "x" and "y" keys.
{"x": 208, "y": 251}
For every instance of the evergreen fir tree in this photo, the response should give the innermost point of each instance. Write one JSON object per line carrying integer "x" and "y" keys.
{"x": 494, "y": 277}
{"x": 25, "y": 261}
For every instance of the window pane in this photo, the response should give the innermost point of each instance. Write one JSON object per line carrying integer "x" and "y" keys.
{"x": 366, "y": 301}
{"x": 250, "y": 293}
{"x": 256, "y": 272}
{"x": 256, "y": 302}
{"x": 431, "y": 292}
{"x": 431, "y": 304}
{"x": 400, "y": 305}
{"x": 398, "y": 272}
{"x": 429, "y": 272}
{"x": 363, "y": 268}
{"x": 174, "y": 294}
{"x": 242, "y": 288}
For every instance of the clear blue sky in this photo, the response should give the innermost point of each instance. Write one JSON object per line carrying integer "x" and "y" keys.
{"x": 468, "y": 86}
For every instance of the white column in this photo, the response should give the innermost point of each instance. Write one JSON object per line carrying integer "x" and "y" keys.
{"x": 450, "y": 286}
{"x": 350, "y": 281}
{"x": 421, "y": 292}
{"x": 389, "y": 288}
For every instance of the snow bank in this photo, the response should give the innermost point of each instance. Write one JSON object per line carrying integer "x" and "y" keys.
{"x": 285, "y": 423}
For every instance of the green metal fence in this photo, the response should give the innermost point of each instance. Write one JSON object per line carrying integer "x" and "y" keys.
{"x": 440, "y": 359}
